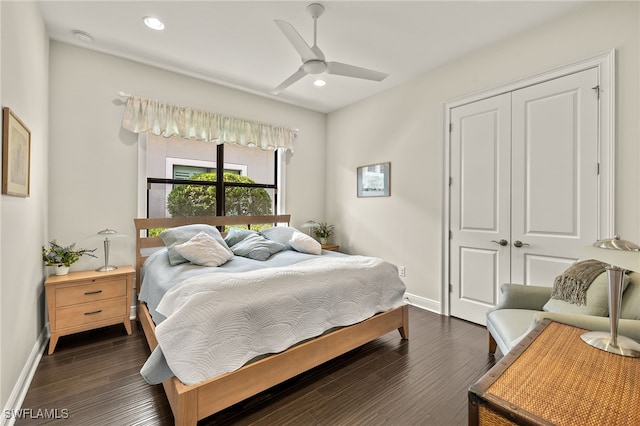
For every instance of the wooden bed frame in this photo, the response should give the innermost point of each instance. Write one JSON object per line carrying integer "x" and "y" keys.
{"x": 194, "y": 402}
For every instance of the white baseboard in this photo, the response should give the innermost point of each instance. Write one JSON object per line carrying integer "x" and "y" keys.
{"x": 132, "y": 313}
{"x": 423, "y": 303}
{"x": 14, "y": 403}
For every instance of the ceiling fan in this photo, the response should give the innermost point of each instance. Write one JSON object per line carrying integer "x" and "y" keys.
{"x": 313, "y": 60}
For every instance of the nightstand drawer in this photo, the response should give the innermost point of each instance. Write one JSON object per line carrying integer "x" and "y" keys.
{"x": 90, "y": 312}
{"x": 99, "y": 290}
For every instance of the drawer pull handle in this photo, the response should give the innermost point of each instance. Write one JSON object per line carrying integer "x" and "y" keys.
{"x": 92, "y": 292}
{"x": 93, "y": 312}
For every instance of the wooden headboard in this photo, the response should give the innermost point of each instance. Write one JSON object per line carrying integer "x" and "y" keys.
{"x": 143, "y": 225}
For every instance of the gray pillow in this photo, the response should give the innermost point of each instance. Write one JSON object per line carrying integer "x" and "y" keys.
{"x": 597, "y": 299}
{"x": 256, "y": 247}
{"x": 235, "y": 235}
{"x": 181, "y": 234}
{"x": 279, "y": 234}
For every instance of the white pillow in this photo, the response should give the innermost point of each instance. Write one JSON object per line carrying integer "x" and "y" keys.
{"x": 304, "y": 243}
{"x": 204, "y": 250}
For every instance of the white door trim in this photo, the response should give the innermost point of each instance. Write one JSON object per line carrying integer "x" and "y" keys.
{"x": 605, "y": 64}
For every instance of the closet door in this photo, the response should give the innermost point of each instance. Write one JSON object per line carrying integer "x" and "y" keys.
{"x": 480, "y": 205}
{"x": 524, "y": 189}
{"x": 554, "y": 176}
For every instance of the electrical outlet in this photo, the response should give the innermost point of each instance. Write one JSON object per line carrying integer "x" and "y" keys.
{"x": 402, "y": 271}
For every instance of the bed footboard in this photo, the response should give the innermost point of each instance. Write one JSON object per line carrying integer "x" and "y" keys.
{"x": 192, "y": 403}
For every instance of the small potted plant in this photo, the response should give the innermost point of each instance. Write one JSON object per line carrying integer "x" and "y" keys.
{"x": 63, "y": 257}
{"x": 323, "y": 231}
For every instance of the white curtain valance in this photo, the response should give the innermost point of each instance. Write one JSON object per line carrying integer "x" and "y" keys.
{"x": 146, "y": 115}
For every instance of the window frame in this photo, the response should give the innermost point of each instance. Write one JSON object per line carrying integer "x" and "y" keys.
{"x": 144, "y": 182}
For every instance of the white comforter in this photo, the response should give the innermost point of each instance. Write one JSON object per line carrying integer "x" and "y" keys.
{"x": 217, "y": 322}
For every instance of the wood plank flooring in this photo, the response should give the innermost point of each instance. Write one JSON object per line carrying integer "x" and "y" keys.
{"x": 94, "y": 376}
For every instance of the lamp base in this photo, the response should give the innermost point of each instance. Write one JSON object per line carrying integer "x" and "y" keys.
{"x": 602, "y": 340}
{"x": 106, "y": 268}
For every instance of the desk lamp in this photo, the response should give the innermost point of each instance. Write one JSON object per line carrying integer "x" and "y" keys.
{"x": 310, "y": 224}
{"x": 621, "y": 255}
{"x": 107, "y": 233}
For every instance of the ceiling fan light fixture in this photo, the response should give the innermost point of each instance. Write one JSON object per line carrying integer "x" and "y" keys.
{"x": 153, "y": 23}
{"x": 319, "y": 83}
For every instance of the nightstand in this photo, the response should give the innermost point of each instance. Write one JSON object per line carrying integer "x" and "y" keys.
{"x": 85, "y": 300}
{"x": 330, "y": 247}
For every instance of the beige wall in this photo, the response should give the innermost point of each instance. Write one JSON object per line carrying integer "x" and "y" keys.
{"x": 23, "y": 221}
{"x": 405, "y": 126}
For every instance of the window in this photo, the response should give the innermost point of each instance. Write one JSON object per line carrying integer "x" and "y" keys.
{"x": 182, "y": 178}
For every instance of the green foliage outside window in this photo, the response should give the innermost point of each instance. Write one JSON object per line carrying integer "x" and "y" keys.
{"x": 195, "y": 200}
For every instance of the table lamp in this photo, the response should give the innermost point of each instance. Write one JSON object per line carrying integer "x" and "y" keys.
{"x": 107, "y": 233}
{"x": 310, "y": 224}
{"x": 621, "y": 255}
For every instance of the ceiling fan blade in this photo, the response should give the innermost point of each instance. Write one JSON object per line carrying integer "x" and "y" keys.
{"x": 301, "y": 46}
{"x": 346, "y": 70}
{"x": 289, "y": 81}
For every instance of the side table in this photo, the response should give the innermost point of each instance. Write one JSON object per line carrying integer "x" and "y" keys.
{"x": 84, "y": 300}
{"x": 330, "y": 247}
{"x": 553, "y": 377}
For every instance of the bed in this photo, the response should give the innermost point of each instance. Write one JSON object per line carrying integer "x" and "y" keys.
{"x": 192, "y": 402}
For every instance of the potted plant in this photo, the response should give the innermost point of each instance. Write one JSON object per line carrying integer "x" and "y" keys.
{"x": 323, "y": 231}
{"x": 63, "y": 257}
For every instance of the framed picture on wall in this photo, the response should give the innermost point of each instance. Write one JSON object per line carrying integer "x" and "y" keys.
{"x": 373, "y": 180}
{"x": 16, "y": 155}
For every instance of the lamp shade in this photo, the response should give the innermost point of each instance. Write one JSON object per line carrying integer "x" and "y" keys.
{"x": 616, "y": 252}
{"x": 105, "y": 233}
{"x": 310, "y": 224}
{"x": 616, "y": 243}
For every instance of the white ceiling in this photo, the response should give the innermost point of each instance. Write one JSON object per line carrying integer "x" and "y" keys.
{"x": 237, "y": 43}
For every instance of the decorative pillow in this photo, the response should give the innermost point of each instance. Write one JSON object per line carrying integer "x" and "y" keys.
{"x": 235, "y": 235}
{"x": 279, "y": 234}
{"x": 256, "y": 247}
{"x": 204, "y": 250}
{"x": 181, "y": 234}
{"x": 597, "y": 302}
{"x": 304, "y": 243}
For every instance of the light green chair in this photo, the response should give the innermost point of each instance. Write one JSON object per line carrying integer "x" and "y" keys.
{"x": 521, "y": 309}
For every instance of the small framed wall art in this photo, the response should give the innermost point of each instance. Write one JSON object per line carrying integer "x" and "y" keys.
{"x": 374, "y": 181}
{"x": 16, "y": 155}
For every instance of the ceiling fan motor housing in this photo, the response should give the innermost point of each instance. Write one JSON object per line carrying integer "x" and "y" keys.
{"x": 314, "y": 66}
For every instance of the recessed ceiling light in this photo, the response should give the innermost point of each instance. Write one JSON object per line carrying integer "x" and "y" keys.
{"x": 153, "y": 23}
{"x": 82, "y": 36}
{"x": 319, "y": 83}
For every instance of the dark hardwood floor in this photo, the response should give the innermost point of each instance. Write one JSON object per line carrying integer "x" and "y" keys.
{"x": 92, "y": 379}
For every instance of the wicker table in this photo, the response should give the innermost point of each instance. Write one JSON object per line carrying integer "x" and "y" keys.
{"x": 554, "y": 378}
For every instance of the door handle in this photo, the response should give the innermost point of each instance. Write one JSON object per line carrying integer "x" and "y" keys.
{"x": 502, "y": 242}
{"x": 519, "y": 244}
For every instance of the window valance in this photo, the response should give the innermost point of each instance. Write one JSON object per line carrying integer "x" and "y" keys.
{"x": 146, "y": 115}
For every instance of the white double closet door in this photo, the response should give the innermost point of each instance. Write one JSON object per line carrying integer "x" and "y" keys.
{"x": 523, "y": 190}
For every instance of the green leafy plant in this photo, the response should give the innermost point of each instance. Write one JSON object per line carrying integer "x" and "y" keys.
{"x": 59, "y": 255}
{"x": 323, "y": 230}
{"x": 195, "y": 200}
